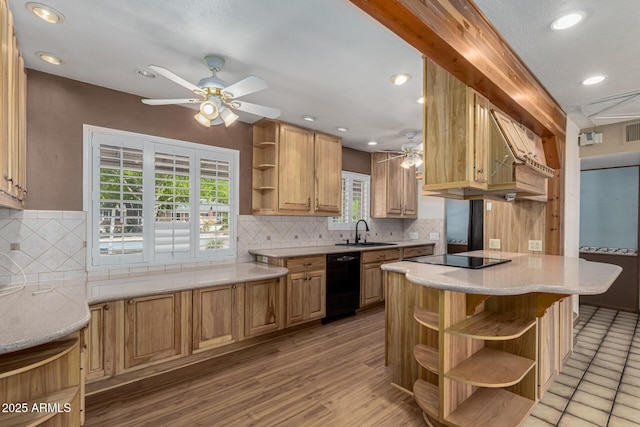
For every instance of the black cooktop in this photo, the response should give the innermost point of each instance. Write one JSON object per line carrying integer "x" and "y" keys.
{"x": 463, "y": 261}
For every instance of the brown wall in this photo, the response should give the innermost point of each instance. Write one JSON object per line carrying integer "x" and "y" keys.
{"x": 57, "y": 108}
{"x": 515, "y": 224}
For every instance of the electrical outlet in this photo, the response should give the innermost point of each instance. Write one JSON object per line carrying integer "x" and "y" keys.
{"x": 413, "y": 235}
{"x": 535, "y": 245}
{"x": 494, "y": 243}
{"x": 434, "y": 236}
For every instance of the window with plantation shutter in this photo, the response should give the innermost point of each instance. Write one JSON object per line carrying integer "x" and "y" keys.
{"x": 355, "y": 201}
{"x": 153, "y": 200}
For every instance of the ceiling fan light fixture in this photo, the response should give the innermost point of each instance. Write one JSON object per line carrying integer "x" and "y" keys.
{"x": 418, "y": 161}
{"x": 46, "y": 13}
{"x": 202, "y": 120}
{"x": 567, "y": 21}
{"x": 228, "y": 116}
{"x": 400, "y": 79}
{"x": 209, "y": 110}
{"x": 407, "y": 163}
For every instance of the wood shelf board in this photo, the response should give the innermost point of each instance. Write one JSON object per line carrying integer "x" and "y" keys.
{"x": 265, "y": 144}
{"x": 492, "y": 326}
{"x": 427, "y": 357}
{"x": 492, "y": 368}
{"x": 36, "y": 418}
{"x": 263, "y": 166}
{"x": 25, "y": 360}
{"x": 426, "y": 318}
{"x": 491, "y": 407}
{"x": 427, "y": 397}
{"x": 264, "y": 188}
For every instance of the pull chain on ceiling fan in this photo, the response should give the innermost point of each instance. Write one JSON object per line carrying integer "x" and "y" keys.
{"x": 218, "y": 99}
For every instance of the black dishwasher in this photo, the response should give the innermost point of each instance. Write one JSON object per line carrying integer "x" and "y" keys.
{"x": 343, "y": 285}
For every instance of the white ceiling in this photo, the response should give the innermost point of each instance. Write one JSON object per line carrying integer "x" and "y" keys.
{"x": 324, "y": 58}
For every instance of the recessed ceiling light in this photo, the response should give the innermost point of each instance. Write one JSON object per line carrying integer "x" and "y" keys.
{"x": 46, "y": 13}
{"x": 50, "y": 58}
{"x": 593, "y": 80}
{"x": 309, "y": 118}
{"x": 420, "y": 100}
{"x": 342, "y": 129}
{"x": 400, "y": 79}
{"x": 145, "y": 73}
{"x": 567, "y": 21}
{"x": 372, "y": 143}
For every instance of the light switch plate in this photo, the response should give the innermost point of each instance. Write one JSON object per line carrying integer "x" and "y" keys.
{"x": 488, "y": 206}
{"x": 494, "y": 243}
{"x": 434, "y": 236}
{"x": 535, "y": 245}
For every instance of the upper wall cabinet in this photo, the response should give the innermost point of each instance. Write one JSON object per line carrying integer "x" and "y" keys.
{"x": 394, "y": 189}
{"x": 296, "y": 171}
{"x": 13, "y": 135}
{"x": 472, "y": 150}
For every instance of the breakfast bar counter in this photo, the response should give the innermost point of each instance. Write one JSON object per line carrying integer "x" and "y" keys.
{"x": 479, "y": 347}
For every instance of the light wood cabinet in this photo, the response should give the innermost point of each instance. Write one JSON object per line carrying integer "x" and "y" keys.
{"x": 216, "y": 317}
{"x": 371, "y": 275}
{"x": 296, "y": 171}
{"x": 155, "y": 328}
{"x": 263, "y": 305}
{"x": 394, "y": 189}
{"x": 13, "y": 141}
{"x": 99, "y": 339}
{"x": 555, "y": 342}
{"x": 306, "y": 289}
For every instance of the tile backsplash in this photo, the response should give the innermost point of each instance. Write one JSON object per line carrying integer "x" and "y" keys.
{"x": 51, "y": 245}
{"x": 47, "y": 245}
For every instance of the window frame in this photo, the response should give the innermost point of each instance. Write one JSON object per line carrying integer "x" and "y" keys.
{"x": 349, "y": 224}
{"x": 151, "y": 145}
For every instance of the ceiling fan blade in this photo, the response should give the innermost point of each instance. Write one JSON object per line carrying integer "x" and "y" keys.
{"x": 258, "y": 110}
{"x": 390, "y": 158}
{"x": 176, "y": 79}
{"x": 245, "y": 86}
{"x": 170, "y": 101}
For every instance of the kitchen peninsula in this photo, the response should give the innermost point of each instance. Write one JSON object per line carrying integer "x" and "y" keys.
{"x": 477, "y": 346}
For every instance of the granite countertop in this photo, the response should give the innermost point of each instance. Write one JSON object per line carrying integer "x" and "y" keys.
{"x": 99, "y": 291}
{"x": 333, "y": 249}
{"x": 29, "y": 318}
{"x": 524, "y": 274}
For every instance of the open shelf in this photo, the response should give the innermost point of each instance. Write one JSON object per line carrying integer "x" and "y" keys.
{"x": 427, "y": 397}
{"x": 264, "y": 166}
{"x": 35, "y": 418}
{"x": 491, "y": 407}
{"x": 22, "y": 361}
{"x": 427, "y": 357}
{"x": 426, "y": 318}
{"x": 264, "y": 188}
{"x": 264, "y": 144}
{"x": 492, "y": 326}
{"x": 492, "y": 368}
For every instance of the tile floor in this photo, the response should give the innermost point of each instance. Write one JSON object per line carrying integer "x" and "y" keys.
{"x": 600, "y": 384}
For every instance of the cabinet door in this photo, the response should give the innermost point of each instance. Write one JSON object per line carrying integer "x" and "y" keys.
{"x": 328, "y": 174}
{"x": 99, "y": 339}
{"x": 548, "y": 348}
{"x": 262, "y": 307}
{"x": 409, "y": 193}
{"x": 216, "y": 314}
{"x": 153, "y": 329}
{"x": 395, "y": 180}
{"x": 315, "y": 300}
{"x": 481, "y": 135}
{"x": 371, "y": 284}
{"x": 565, "y": 320}
{"x": 296, "y": 174}
{"x": 296, "y": 284}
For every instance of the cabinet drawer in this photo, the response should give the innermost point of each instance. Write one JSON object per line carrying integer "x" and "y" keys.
{"x": 380, "y": 256}
{"x": 306, "y": 263}
{"x": 417, "y": 251}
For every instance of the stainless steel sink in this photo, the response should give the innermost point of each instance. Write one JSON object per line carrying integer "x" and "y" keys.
{"x": 366, "y": 244}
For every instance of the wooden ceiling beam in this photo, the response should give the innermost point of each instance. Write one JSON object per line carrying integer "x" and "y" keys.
{"x": 459, "y": 38}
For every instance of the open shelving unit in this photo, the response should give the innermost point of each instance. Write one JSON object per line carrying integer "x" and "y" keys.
{"x": 265, "y": 167}
{"x": 475, "y": 370}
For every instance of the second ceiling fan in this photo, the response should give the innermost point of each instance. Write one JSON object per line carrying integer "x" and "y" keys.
{"x": 217, "y": 98}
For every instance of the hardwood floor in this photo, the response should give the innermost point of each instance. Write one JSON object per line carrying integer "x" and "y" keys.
{"x": 332, "y": 374}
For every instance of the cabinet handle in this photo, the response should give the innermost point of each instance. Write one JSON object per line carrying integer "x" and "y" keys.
{"x": 317, "y": 203}
{"x": 233, "y": 286}
{"x": 480, "y": 170}
{"x": 306, "y": 264}
{"x": 105, "y": 307}
{"x": 382, "y": 257}
{"x": 308, "y": 202}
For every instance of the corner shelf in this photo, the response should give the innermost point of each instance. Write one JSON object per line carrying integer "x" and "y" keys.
{"x": 36, "y": 418}
{"x": 264, "y": 166}
{"x": 427, "y": 397}
{"x": 264, "y": 144}
{"x": 426, "y": 318}
{"x": 492, "y": 326}
{"x": 481, "y": 369}
{"x": 490, "y": 407}
{"x": 427, "y": 357}
{"x": 25, "y": 360}
{"x": 264, "y": 187}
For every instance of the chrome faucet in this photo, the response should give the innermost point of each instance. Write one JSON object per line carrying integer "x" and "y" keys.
{"x": 366, "y": 227}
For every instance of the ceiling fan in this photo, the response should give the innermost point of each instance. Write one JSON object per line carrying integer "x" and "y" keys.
{"x": 217, "y": 97}
{"x": 411, "y": 151}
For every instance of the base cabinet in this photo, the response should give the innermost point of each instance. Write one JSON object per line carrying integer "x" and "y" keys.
{"x": 99, "y": 339}
{"x": 155, "y": 329}
{"x": 306, "y": 297}
{"x": 263, "y": 307}
{"x": 216, "y": 316}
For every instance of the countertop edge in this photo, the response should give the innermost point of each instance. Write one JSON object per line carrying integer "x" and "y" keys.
{"x": 329, "y": 249}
